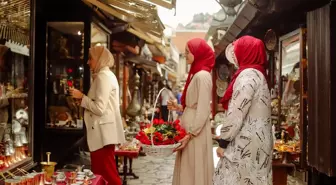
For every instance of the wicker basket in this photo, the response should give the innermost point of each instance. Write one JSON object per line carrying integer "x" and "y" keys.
{"x": 159, "y": 150}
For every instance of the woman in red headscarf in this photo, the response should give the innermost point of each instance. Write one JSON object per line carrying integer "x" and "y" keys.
{"x": 246, "y": 134}
{"x": 194, "y": 160}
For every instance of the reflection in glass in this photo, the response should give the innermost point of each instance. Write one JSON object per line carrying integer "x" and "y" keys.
{"x": 289, "y": 133}
{"x": 291, "y": 69}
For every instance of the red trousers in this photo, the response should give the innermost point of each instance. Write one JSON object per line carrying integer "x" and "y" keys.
{"x": 103, "y": 163}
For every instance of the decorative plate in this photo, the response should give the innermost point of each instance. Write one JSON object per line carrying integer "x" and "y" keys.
{"x": 223, "y": 72}
{"x": 221, "y": 84}
{"x": 21, "y": 114}
{"x": 270, "y": 40}
{"x": 220, "y": 92}
{"x": 219, "y": 117}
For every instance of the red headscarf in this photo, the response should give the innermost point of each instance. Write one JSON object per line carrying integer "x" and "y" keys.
{"x": 204, "y": 59}
{"x": 250, "y": 53}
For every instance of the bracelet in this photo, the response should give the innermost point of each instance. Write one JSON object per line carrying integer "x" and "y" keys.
{"x": 191, "y": 136}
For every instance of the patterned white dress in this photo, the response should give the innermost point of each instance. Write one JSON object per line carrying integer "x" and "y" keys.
{"x": 248, "y": 158}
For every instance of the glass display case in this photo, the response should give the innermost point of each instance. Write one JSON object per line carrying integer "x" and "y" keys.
{"x": 16, "y": 109}
{"x": 291, "y": 129}
{"x": 15, "y": 128}
{"x": 65, "y": 69}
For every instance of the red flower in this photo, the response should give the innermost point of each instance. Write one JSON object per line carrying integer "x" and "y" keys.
{"x": 161, "y": 122}
{"x": 179, "y": 136}
{"x": 142, "y": 125}
{"x": 175, "y": 134}
{"x": 177, "y": 127}
{"x": 158, "y": 122}
{"x": 168, "y": 142}
{"x": 155, "y": 122}
{"x": 70, "y": 84}
{"x": 143, "y": 138}
{"x": 157, "y": 136}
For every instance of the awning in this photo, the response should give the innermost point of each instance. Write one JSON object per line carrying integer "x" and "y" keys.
{"x": 154, "y": 43}
{"x": 141, "y": 16}
{"x": 170, "y": 4}
{"x": 137, "y": 13}
{"x": 146, "y": 64}
{"x": 174, "y": 53}
{"x": 250, "y": 14}
{"x": 245, "y": 16}
{"x": 158, "y": 50}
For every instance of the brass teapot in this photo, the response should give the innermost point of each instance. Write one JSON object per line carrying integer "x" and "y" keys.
{"x": 134, "y": 107}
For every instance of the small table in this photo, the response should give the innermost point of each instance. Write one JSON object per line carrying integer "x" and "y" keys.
{"x": 280, "y": 172}
{"x": 130, "y": 155}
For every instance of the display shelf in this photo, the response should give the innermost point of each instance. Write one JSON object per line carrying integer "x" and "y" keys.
{"x": 291, "y": 119}
{"x": 16, "y": 141}
{"x": 22, "y": 95}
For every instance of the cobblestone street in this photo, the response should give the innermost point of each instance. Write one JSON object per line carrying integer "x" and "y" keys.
{"x": 155, "y": 171}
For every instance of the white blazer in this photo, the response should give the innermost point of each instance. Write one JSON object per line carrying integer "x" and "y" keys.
{"x": 102, "y": 113}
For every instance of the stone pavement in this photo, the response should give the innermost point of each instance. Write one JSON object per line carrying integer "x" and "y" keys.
{"x": 155, "y": 171}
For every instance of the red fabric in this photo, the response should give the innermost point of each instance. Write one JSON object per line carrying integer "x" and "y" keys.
{"x": 99, "y": 180}
{"x": 103, "y": 163}
{"x": 127, "y": 153}
{"x": 250, "y": 53}
{"x": 204, "y": 59}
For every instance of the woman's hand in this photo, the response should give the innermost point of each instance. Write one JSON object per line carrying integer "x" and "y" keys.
{"x": 172, "y": 104}
{"x": 215, "y": 137}
{"x": 75, "y": 93}
{"x": 183, "y": 142}
{"x": 220, "y": 152}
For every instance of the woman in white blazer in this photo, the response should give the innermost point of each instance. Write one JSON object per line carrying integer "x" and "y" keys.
{"x": 102, "y": 114}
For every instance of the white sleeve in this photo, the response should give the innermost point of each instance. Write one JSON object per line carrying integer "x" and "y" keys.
{"x": 103, "y": 91}
{"x": 243, "y": 92}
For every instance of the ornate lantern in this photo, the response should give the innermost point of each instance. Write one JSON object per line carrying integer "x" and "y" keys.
{"x": 230, "y": 5}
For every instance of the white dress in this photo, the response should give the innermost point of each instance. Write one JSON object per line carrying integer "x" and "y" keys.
{"x": 248, "y": 158}
{"x": 194, "y": 164}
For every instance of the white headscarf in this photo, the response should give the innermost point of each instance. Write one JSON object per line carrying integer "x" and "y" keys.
{"x": 103, "y": 57}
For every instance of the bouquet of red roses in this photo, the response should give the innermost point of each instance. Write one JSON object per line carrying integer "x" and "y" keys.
{"x": 164, "y": 133}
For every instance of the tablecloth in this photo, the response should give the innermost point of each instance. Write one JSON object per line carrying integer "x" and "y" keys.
{"x": 99, "y": 180}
